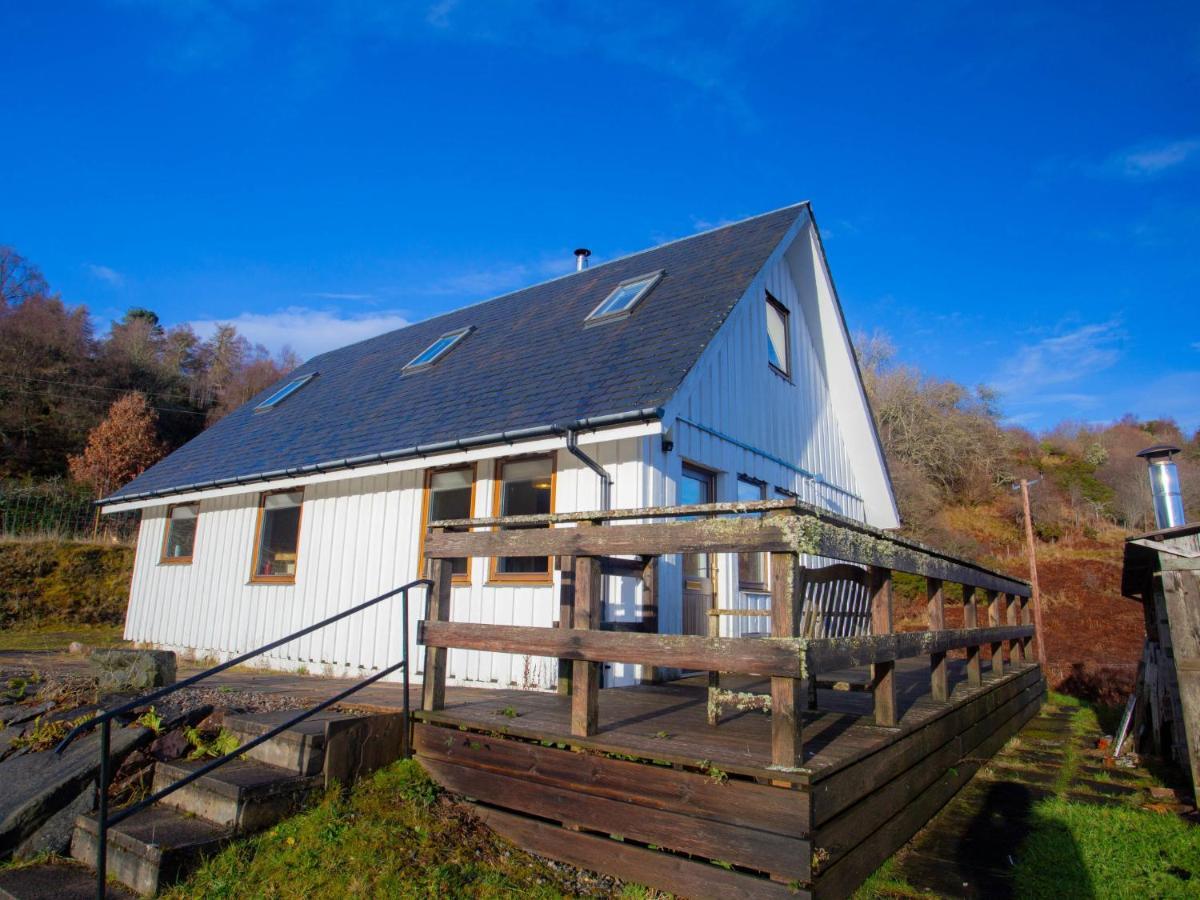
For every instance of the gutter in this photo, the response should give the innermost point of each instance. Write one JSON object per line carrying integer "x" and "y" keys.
{"x": 590, "y": 423}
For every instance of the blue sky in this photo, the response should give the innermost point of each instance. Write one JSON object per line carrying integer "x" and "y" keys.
{"x": 1011, "y": 191}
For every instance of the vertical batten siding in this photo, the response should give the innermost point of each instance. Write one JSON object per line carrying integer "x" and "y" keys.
{"x": 358, "y": 539}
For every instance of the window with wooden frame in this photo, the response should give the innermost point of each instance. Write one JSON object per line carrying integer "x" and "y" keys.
{"x": 524, "y": 487}
{"x": 779, "y": 350}
{"x": 449, "y": 494}
{"x": 752, "y": 567}
{"x": 179, "y": 539}
{"x": 277, "y": 537}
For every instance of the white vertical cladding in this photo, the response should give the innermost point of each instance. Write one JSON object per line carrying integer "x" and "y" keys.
{"x": 739, "y": 399}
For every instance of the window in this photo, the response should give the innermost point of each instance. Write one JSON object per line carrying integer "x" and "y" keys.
{"x": 284, "y": 392}
{"x": 524, "y": 487}
{"x": 752, "y": 567}
{"x": 438, "y": 349}
{"x": 778, "y": 348}
{"x": 450, "y": 494}
{"x": 624, "y": 297}
{"x": 181, "y": 533}
{"x": 278, "y": 539}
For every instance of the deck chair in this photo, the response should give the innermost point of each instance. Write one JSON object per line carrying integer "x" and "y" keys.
{"x": 836, "y": 603}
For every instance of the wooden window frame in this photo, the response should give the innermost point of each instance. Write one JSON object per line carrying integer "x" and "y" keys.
{"x": 255, "y": 578}
{"x": 755, "y": 587}
{"x": 517, "y": 579}
{"x": 787, "y": 338}
{"x": 165, "y": 560}
{"x": 429, "y": 473}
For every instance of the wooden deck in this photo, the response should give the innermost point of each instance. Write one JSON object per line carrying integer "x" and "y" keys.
{"x": 660, "y": 797}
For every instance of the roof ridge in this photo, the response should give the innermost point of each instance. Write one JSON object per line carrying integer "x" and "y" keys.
{"x": 537, "y": 284}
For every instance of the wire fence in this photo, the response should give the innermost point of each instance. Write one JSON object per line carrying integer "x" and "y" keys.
{"x": 59, "y": 511}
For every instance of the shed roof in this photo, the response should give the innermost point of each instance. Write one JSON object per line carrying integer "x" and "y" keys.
{"x": 529, "y": 364}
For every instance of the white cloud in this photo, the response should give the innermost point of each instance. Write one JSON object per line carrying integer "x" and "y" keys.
{"x": 307, "y": 331}
{"x": 111, "y": 277}
{"x": 330, "y": 295}
{"x": 483, "y": 284}
{"x": 1059, "y": 360}
{"x": 1149, "y": 160}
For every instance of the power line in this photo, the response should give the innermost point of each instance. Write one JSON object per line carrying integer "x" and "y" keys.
{"x": 75, "y": 384}
{"x": 170, "y": 409}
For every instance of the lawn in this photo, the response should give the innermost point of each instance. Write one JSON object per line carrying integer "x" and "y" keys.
{"x": 58, "y": 636}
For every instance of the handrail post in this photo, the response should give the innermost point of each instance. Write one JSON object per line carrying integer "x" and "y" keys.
{"x": 883, "y": 674}
{"x": 1027, "y": 619}
{"x": 994, "y": 604}
{"x": 787, "y": 694}
{"x": 433, "y": 686}
{"x": 102, "y": 820}
{"x": 406, "y": 726}
{"x": 939, "y": 684}
{"x": 1015, "y": 647}
{"x": 971, "y": 620}
{"x": 585, "y": 678}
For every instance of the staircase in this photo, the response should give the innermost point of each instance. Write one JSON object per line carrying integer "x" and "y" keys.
{"x": 162, "y": 843}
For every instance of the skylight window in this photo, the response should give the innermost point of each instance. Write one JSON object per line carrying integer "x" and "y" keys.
{"x": 438, "y": 349}
{"x": 624, "y": 298}
{"x": 284, "y": 392}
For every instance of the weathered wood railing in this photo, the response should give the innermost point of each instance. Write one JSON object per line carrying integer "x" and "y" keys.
{"x": 787, "y": 530}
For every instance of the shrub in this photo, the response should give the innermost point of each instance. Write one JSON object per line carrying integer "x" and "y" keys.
{"x": 50, "y": 581}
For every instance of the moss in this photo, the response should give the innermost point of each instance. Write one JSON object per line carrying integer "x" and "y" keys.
{"x": 53, "y": 581}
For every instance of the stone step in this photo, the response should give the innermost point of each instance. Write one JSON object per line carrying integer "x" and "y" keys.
{"x": 301, "y": 748}
{"x": 152, "y": 849}
{"x": 60, "y": 880}
{"x": 245, "y": 795}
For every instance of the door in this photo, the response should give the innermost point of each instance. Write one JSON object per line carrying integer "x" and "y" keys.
{"x": 697, "y": 485}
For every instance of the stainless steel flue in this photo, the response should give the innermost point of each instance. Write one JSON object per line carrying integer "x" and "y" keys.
{"x": 1164, "y": 485}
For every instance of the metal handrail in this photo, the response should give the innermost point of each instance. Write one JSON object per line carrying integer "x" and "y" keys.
{"x": 104, "y": 720}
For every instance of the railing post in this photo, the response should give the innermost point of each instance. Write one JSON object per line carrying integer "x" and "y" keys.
{"x": 971, "y": 620}
{"x": 1027, "y": 619}
{"x": 1016, "y": 647}
{"x": 650, "y": 674}
{"x": 406, "y": 721}
{"x": 566, "y": 614}
{"x": 787, "y": 695}
{"x": 585, "y": 679}
{"x": 883, "y": 675}
{"x": 433, "y": 687}
{"x": 939, "y": 684}
{"x": 994, "y": 619}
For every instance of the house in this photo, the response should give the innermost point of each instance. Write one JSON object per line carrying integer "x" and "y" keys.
{"x": 716, "y": 367}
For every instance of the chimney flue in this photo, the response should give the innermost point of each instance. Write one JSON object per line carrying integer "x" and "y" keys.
{"x": 581, "y": 258}
{"x": 1164, "y": 485}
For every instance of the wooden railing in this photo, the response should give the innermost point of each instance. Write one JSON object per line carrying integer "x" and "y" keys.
{"x": 787, "y": 530}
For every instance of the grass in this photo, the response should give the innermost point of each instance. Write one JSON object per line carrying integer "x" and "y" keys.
{"x": 58, "y": 636}
{"x": 1081, "y": 850}
{"x": 393, "y": 835}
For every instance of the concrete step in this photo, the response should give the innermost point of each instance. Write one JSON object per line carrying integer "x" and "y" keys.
{"x": 301, "y": 748}
{"x": 152, "y": 849}
{"x": 245, "y": 795}
{"x": 60, "y": 880}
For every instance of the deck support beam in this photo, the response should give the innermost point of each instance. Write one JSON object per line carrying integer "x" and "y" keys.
{"x": 939, "y": 683}
{"x": 787, "y": 694}
{"x": 585, "y": 677}
{"x": 883, "y": 674}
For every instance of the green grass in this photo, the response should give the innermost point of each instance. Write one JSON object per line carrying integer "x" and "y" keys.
{"x": 1081, "y": 850}
{"x": 58, "y": 636}
{"x": 392, "y": 836}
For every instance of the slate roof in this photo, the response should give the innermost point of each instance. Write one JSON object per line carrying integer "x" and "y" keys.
{"x": 529, "y": 364}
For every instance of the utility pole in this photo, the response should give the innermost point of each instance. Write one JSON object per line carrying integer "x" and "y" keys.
{"x": 1033, "y": 579}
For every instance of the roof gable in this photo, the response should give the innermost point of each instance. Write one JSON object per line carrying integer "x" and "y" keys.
{"x": 529, "y": 362}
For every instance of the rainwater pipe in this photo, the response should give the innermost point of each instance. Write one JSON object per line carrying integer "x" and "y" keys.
{"x": 605, "y": 478}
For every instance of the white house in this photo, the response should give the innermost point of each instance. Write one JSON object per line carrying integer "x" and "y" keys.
{"x": 716, "y": 367}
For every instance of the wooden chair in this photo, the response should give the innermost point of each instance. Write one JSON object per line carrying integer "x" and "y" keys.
{"x": 836, "y": 604}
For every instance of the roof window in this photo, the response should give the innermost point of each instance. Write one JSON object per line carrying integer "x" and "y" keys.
{"x": 624, "y": 298}
{"x": 284, "y": 392}
{"x": 438, "y": 348}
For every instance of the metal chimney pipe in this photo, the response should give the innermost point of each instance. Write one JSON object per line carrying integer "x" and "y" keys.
{"x": 1164, "y": 485}
{"x": 581, "y": 258}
